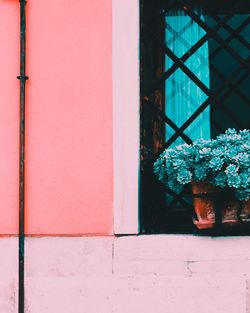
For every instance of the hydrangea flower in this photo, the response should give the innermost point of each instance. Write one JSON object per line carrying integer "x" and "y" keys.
{"x": 216, "y": 163}
{"x": 200, "y": 173}
{"x": 184, "y": 176}
{"x": 243, "y": 159}
{"x": 220, "y": 179}
{"x": 223, "y": 161}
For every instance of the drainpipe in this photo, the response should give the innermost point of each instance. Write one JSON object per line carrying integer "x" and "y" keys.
{"x": 22, "y": 78}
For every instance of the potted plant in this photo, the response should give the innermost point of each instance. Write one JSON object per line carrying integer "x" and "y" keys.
{"x": 219, "y": 173}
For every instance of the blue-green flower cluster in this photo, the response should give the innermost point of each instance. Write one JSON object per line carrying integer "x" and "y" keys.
{"x": 223, "y": 161}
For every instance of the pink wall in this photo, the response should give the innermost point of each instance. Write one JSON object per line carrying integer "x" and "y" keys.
{"x": 68, "y": 117}
{"x": 9, "y": 115}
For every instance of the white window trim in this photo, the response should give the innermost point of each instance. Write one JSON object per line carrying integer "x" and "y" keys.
{"x": 126, "y": 114}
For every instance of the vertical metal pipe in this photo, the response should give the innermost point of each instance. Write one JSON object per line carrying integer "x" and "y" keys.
{"x": 22, "y": 79}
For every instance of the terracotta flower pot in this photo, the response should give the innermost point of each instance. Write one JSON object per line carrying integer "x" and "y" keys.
{"x": 204, "y": 206}
{"x": 245, "y": 213}
{"x": 207, "y": 196}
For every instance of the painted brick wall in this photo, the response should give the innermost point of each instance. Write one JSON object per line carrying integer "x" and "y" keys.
{"x": 164, "y": 273}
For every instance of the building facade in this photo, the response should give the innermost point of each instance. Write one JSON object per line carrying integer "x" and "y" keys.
{"x": 83, "y": 247}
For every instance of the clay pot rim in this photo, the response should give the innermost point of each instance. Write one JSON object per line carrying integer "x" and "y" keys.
{"x": 204, "y": 187}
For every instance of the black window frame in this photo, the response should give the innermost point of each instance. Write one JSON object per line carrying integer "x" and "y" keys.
{"x": 154, "y": 217}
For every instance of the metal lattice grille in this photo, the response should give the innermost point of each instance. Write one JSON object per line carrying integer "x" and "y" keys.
{"x": 226, "y": 29}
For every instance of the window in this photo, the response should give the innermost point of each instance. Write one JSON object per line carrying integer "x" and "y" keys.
{"x": 194, "y": 70}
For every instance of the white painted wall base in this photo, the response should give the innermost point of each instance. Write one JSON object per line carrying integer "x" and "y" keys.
{"x": 8, "y": 274}
{"x": 172, "y": 274}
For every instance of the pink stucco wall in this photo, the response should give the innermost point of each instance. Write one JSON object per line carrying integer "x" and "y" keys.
{"x": 68, "y": 117}
{"x": 9, "y": 115}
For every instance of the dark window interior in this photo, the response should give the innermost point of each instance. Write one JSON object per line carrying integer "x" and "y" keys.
{"x": 227, "y": 25}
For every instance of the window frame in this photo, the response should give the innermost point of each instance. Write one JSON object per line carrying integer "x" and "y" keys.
{"x": 154, "y": 218}
{"x": 126, "y": 115}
